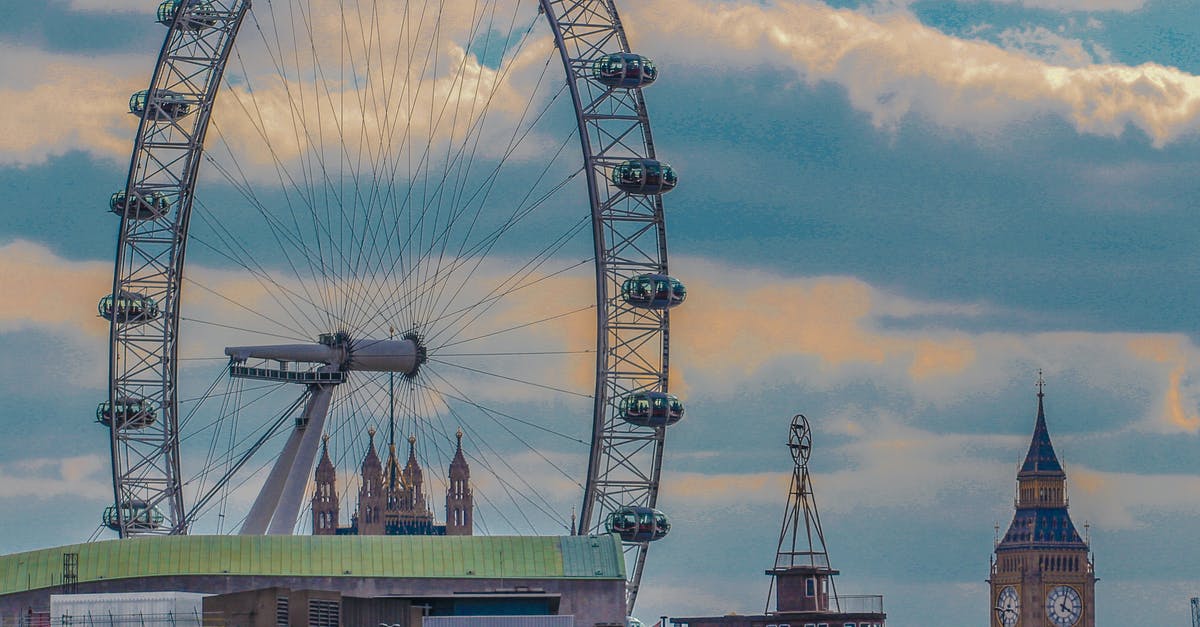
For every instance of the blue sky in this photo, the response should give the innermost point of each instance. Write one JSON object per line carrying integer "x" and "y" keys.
{"x": 891, "y": 215}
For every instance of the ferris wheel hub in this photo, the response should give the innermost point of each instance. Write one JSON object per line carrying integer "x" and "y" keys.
{"x": 402, "y": 356}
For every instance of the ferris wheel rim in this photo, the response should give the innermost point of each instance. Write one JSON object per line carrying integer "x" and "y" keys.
{"x": 603, "y": 419}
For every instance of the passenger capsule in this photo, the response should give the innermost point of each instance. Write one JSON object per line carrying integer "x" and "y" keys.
{"x": 163, "y": 106}
{"x": 624, "y": 70}
{"x": 653, "y": 291}
{"x": 131, "y": 413}
{"x": 129, "y": 308}
{"x": 644, "y": 177}
{"x": 198, "y": 14}
{"x": 138, "y": 515}
{"x": 145, "y": 206}
{"x": 651, "y": 409}
{"x": 638, "y": 524}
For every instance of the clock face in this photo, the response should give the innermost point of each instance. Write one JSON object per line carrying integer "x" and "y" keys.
{"x": 1063, "y": 606}
{"x": 1008, "y": 606}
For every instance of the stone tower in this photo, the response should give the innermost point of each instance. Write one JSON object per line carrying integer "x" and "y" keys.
{"x": 1042, "y": 573}
{"x": 371, "y": 498}
{"x": 325, "y": 498}
{"x": 459, "y": 503}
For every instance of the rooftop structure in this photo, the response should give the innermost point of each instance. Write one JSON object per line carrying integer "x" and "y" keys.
{"x": 585, "y": 573}
{"x": 802, "y": 578}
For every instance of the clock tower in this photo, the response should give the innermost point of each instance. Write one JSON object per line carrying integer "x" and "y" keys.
{"x": 1042, "y": 573}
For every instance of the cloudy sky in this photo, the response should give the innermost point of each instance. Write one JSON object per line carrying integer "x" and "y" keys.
{"x": 892, "y": 214}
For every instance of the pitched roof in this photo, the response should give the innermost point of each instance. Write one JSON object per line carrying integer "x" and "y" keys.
{"x": 1041, "y": 458}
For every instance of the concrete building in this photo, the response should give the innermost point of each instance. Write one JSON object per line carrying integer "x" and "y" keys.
{"x": 579, "y": 576}
{"x": 1042, "y": 573}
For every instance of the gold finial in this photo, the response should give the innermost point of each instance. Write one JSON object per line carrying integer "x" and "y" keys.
{"x": 458, "y": 434}
{"x": 412, "y": 439}
{"x": 371, "y": 431}
{"x": 325, "y": 438}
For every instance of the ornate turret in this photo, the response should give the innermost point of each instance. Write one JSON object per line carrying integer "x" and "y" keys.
{"x": 1042, "y": 571}
{"x": 393, "y": 486}
{"x": 371, "y": 497}
{"x": 459, "y": 502}
{"x": 325, "y": 497}
{"x": 412, "y": 514}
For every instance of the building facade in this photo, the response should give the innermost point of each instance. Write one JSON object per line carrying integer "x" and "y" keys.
{"x": 391, "y": 498}
{"x": 579, "y": 576}
{"x": 1042, "y": 572}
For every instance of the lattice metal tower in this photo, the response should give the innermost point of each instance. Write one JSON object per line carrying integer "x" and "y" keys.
{"x": 802, "y": 579}
{"x": 1195, "y": 611}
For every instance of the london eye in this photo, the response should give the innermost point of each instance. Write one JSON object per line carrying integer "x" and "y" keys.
{"x": 428, "y": 216}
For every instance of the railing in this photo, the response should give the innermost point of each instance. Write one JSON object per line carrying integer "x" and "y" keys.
{"x": 861, "y": 604}
{"x": 291, "y": 376}
{"x": 137, "y": 619}
{"x": 787, "y": 559}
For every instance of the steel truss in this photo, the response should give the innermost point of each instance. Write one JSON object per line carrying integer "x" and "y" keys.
{"x": 628, "y": 231}
{"x": 630, "y": 239}
{"x": 150, "y": 256}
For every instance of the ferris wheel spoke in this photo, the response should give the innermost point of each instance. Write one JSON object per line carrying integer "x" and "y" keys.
{"x": 511, "y": 379}
{"x": 480, "y": 199}
{"x": 476, "y": 129}
{"x": 518, "y": 327}
{"x": 492, "y": 414}
{"x": 516, "y": 494}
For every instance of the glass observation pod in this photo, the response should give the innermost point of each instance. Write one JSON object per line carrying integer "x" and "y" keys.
{"x": 131, "y": 413}
{"x": 638, "y": 524}
{"x": 138, "y": 514}
{"x": 653, "y": 291}
{"x": 128, "y": 308}
{"x": 146, "y": 205}
{"x": 651, "y": 409}
{"x": 644, "y": 177}
{"x": 164, "y": 106}
{"x": 199, "y": 14}
{"x": 625, "y": 70}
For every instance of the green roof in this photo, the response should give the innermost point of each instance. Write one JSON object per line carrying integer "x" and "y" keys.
{"x": 535, "y": 557}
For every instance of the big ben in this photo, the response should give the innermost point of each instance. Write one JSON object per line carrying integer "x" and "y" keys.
{"x": 1042, "y": 573}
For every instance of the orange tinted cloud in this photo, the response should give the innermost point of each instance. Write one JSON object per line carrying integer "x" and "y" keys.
{"x": 743, "y": 321}
{"x": 1178, "y": 401}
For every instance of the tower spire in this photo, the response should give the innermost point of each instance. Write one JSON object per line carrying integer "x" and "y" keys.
{"x": 1041, "y": 459}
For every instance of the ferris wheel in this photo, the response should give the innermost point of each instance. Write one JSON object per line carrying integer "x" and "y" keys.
{"x": 389, "y": 222}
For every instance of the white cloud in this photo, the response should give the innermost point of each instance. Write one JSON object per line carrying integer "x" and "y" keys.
{"x": 1047, "y": 45}
{"x": 114, "y": 6}
{"x": 891, "y": 65}
{"x": 81, "y": 476}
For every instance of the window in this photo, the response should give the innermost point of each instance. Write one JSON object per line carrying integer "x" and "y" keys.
{"x": 810, "y": 587}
